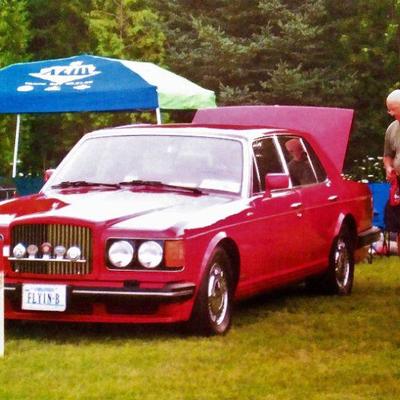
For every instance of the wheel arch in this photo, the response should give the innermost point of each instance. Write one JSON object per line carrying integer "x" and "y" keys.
{"x": 231, "y": 248}
{"x": 348, "y": 221}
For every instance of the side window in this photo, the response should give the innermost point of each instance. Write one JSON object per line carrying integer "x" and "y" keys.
{"x": 266, "y": 161}
{"x": 319, "y": 169}
{"x": 301, "y": 170}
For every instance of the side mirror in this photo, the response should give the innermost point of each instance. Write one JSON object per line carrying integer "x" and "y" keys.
{"x": 47, "y": 174}
{"x": 275, "y": 181}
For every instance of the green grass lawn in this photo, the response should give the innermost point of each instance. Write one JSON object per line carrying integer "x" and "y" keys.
{"x": 285, "y": 345}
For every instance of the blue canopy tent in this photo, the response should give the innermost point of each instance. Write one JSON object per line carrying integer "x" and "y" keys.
{"x": 91, "y": 83}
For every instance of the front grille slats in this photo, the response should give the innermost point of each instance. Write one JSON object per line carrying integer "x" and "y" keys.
{"x": 56, "y": 234}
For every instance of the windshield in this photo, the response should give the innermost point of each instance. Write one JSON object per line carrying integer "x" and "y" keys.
{"x": 200, "y": 162}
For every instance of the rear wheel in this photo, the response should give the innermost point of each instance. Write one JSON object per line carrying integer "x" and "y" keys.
{"x": 338, "y": 280}
{"x": 212, "y": 312}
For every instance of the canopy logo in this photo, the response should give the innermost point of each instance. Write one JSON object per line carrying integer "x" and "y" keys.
{"x": 75, "y": 75}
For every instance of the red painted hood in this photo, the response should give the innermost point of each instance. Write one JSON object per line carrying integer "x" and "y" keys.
{"x": 122, "y": 209}
{"x": 330, "y": 127}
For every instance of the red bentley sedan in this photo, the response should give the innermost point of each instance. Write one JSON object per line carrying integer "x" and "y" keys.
{"x": 150, "y": 224}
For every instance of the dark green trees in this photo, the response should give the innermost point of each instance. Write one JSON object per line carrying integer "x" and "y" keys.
{"x": 311, "y": 52}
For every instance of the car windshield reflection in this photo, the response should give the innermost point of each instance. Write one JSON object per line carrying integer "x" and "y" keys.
{"x": 178, "y": 161}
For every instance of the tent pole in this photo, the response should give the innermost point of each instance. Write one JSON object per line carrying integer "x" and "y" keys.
{"x": 14, "y": 168}
{"x": 158, "y": 114}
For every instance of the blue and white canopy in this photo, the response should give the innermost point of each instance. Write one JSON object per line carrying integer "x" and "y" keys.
{"x": 91, "y": 83}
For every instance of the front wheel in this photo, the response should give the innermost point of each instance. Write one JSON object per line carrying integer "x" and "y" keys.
{"x": 212, "y": 312}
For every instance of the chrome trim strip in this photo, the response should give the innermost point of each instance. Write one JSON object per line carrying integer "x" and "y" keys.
{"x": 170, "y": 292}
{"x": 160, "y": 294}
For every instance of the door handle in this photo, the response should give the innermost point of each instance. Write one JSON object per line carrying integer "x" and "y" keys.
{"x": 296, "y": 205}
{"x": 334, "y": 197}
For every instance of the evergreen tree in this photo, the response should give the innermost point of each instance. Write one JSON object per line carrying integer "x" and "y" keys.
{"x": 59, "y": 28}
{"x": 269, "y": 51}
{"x": 314, "y": 52}
{"x": 14, "y": 38}
{"x": 368, "y": 38}
{"x": 127, "y": 29}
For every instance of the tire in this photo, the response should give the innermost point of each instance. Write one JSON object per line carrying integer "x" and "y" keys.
{"x": 338, "y": 280}
{"x": 212, "y": 311}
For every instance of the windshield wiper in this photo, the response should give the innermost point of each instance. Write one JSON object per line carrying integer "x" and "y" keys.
{"x": 68, "y": 184}
{"x": 139, "y": 182}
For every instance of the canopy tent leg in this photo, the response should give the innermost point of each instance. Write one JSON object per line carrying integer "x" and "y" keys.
{"x": 158, "y": 114}
{"x": 16, "y": 144}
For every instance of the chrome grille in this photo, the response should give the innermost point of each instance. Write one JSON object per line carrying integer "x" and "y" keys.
{"x": 56, "y": 234}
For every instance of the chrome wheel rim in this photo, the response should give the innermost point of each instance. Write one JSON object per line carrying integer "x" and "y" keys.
{"x": 342, "y": 264}
{"x": 217, "y": 295}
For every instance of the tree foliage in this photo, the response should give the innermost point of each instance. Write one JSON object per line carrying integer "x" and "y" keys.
{"x": 127, "y": 29}
{"x": 311, "y": 52}
{"x": 369, "y": 42}
{"x": 14, "y": 40}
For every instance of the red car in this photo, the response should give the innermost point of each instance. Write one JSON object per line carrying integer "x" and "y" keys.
{"x": 151, "y": 224}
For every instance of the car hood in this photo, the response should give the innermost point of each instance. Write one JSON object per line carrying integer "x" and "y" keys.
{"x": 121, "y": 209}
{"x": 329, "y": 126}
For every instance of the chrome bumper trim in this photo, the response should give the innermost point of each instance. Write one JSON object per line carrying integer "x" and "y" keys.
{"x": 143, "y": 293}
{"x": 173, "y": 291}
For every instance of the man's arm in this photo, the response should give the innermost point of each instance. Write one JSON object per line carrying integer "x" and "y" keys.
{"x": 388, "y": 165}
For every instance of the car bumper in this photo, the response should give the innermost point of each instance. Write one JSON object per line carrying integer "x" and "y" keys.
{"x": 364, "y": 241}
{"x": 171, "y": 303}
{"x": 367, "y": 237}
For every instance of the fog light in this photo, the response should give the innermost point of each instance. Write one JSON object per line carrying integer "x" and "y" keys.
{"x": 150, "y": 254}
{"x": 19, "y": 251}
{"x": 46, "y": 248}
{"x": 74, "y": 253}
{"x": 120, "y": 253}
{"x": 59, "y": 252}
{"x": 32, "y": 250}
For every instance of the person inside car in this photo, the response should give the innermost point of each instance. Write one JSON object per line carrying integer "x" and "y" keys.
{"x": 299, "y": 167}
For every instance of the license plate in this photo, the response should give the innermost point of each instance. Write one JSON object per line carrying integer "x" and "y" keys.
{"x": 41, "y": 297}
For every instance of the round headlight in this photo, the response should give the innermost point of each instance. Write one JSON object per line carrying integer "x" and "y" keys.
{"x": 120, "y": 253}
{"x": 150, "y": 254}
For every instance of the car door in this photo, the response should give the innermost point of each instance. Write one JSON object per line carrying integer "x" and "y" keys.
{"x": 278, "y": 219}
{"x": 319, "y": 204}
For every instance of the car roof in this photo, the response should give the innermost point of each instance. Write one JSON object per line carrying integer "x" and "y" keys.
{"x": 221, "y": 131}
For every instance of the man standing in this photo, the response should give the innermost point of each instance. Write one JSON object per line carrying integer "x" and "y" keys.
{"x": 391, "y": 162}
{"x": 391, "y": 155}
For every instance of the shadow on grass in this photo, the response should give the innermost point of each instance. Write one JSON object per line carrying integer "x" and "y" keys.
{"x": 67, "y": 332}
{"x": 246, "y": 312}
{"x": 290, "y": 299}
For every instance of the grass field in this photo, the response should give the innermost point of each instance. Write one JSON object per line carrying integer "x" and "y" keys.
{"x": 285, "y": 345}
